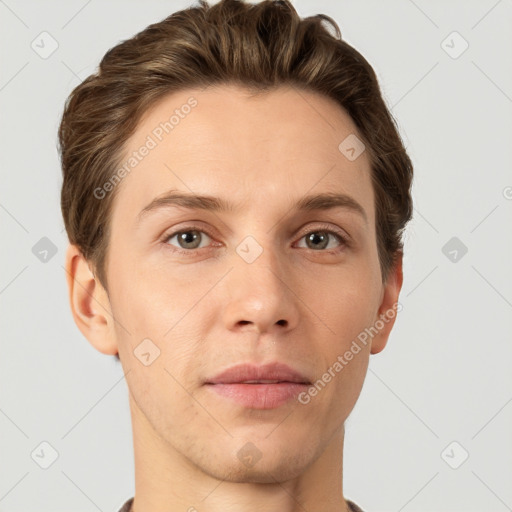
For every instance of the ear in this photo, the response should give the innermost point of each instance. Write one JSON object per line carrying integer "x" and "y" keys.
{"x": 90, "y": 304}
{"x": 389, "y": 306}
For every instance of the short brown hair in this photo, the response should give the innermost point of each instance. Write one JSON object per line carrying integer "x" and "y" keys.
{"x": 259, "y": 46}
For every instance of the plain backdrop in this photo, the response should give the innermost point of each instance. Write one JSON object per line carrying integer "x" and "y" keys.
{"x": 432, "y": 430}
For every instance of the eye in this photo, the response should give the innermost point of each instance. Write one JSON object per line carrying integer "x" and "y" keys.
{"x": 192, "y": 238}
{"x": 188, "y": 238}
{"x": 320, "y": 239}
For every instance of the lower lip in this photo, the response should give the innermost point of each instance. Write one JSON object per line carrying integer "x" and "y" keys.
{"x": 260, "y": 396}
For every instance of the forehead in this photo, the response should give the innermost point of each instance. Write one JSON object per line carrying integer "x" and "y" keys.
{"x": 257, "y": 150}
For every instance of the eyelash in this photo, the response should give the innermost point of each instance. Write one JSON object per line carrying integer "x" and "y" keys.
{"x": 191, "y": 252}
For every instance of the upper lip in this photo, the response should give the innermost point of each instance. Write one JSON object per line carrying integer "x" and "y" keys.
{"x": 251, "y": 372}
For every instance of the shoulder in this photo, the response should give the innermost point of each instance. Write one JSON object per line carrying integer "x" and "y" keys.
{"x": 353, "y": 507}
{"x": 128, "y": 505}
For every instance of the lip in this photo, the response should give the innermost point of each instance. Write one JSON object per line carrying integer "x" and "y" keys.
{"x": 270, "y": 371}
{"x": 230, "y": 384}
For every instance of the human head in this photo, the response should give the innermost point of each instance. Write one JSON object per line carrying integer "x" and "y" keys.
{"x": 301, "y": 70}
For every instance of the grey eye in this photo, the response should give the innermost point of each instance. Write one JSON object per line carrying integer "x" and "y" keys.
{"x": 319, "y": 239}
{"x": 190, "y": 239}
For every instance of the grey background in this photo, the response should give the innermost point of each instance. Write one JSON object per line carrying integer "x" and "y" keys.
{"x": 445, "y": 374}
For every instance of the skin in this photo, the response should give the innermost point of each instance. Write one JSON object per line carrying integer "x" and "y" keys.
{"x": 210, "y": 309}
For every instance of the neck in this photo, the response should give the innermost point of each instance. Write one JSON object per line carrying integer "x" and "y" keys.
{"x": 166, "y": 480}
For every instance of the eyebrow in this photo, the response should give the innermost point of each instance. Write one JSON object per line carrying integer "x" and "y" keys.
{"x": 176, "y": 198}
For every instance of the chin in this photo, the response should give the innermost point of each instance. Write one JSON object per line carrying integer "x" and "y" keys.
{"x": 260, "y": 473}
{"x": 277, "y": 460}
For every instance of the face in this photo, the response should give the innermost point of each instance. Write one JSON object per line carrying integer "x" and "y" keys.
{"x": 196, "y": 290}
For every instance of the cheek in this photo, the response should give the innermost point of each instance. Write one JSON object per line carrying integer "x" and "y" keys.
{"x": 347, "y": 306}
{"x": 146, "y": 299}
{"x": 165, "y": 309}
{"x": 157, "y": 331}
{"x": 346, "y": 300}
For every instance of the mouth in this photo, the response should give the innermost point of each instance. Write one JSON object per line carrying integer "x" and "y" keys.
{"x": 259, "y": 387}
{"x": 270, "y": 373}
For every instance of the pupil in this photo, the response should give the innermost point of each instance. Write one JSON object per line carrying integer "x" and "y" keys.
{"x": 323, "y": 239}
{"x": 189, "y": 237}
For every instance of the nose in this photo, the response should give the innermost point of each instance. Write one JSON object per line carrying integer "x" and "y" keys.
{"x": 260, "y": 295}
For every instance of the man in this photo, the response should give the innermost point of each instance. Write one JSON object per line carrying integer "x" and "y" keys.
{"x": 234, "y": 194}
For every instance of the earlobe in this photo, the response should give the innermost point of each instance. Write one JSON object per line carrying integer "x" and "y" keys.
{"x": 388, "y": 309}
{"x": 89, "y": 303}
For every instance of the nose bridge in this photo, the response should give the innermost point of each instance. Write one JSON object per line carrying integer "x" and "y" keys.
{"x": 258, "y": 291}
